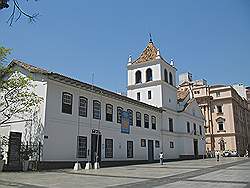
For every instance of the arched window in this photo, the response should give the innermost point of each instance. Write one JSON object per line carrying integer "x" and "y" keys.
{"x": 170, "y": 78}
{"x": 83, "y": 106}
{"x": 146, "y": 121}
{"x": 67, "y": 101}
{"x": 165, "y": 75}
{"x": 220, "y": 121}
{"x": 96, "y": 109}
{"x": 138, "y": 77}
{"x": 109, "y": 112}
{"x": 119, "y": 114}
{"x": 138, "y": 119}
{"x": 153, "y": 120}
{"x": 149, "y": 76}
{"x": 130, "y": 116}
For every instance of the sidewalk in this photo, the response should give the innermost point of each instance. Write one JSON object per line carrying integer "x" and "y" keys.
{"x": 227, "y": 173}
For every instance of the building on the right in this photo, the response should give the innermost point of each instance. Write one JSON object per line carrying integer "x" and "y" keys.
{"x": 248, "y": 97}
{"x": 227, "y": 114}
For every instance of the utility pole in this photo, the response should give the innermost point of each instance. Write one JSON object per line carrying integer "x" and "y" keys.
{"x": 211, "y": 119}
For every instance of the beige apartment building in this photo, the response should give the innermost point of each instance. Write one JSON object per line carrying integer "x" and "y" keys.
{"x": 225, "y": 109}
{"x": 248, "y": 97}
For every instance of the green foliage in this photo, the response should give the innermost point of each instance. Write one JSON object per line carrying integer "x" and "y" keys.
{"x": 17, "y": 96}
{"x": 4, "y": 52}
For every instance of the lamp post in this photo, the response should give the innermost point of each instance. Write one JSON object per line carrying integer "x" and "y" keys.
{"x": 97, "y": 165}
{"x": 203, "y": 138}
{"x": 77, "y": 165}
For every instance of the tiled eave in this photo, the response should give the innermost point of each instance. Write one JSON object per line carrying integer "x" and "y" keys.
{"x": 76, "y": 83}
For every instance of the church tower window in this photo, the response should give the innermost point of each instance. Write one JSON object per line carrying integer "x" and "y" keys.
{"x": 149, "y": 76}
{"x": 170, "y": 78}
{"x": 138, "y": 77}
{"x": 166, "y": 75}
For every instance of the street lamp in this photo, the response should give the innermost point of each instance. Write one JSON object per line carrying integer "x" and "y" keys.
{"x": 203, "y": 138}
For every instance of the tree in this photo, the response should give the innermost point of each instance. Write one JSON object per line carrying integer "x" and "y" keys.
{"x": 4, "y": 52}
{"x": 17, "y": 96}
{"x": 17, "y": 11}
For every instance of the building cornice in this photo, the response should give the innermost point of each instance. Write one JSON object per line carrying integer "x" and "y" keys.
{"x": 97, "y": 90}
{"x": 148, "y": 84}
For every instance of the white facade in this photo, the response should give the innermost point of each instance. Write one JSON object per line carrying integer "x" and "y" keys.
{"x": 61, "y": 130}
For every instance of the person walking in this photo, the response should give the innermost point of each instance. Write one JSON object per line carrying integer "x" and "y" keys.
{"x": 217, "y": 153}
{"x": 161, "y": 158}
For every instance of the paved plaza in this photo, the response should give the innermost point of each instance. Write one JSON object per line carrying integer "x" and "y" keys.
{"x": 229, "y": 172}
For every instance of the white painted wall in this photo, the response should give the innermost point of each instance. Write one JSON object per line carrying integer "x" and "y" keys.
{"x": 61, "y": 128}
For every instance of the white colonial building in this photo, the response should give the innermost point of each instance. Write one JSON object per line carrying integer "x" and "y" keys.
{"x": 74, "y": 113}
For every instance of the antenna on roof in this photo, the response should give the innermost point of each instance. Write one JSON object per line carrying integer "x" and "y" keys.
{"x": 92, "y": 80}
{"x": 150, "y": 38}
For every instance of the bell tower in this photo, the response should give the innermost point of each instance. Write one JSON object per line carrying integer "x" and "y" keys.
{"x": 151, "y": 79}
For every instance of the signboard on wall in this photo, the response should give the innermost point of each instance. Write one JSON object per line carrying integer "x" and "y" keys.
{"x": 125, "y": 123}
{"x": 14, "y": 151}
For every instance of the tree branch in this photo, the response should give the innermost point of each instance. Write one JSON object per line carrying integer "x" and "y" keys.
{"x": 16, "y": 7}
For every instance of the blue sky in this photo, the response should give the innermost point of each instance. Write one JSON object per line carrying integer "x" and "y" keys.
{"x": 210, "y": 39}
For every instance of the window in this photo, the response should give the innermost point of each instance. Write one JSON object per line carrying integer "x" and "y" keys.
{"x": 138, "y": 119}
{"x": 83, "y": 106}
{"x": 195, "y": 129}
{"x": 138, "y": 77}
{"x": 188, "y": 127}
{"x": 221, "y": 126}
{"x": 67, "y": 99}
{"x": 171, "y": 124}
{"x": 130, "y": 117}
{"x": 196, "y": 92}
{"x": 143, "y": 142}
{"x": 82, "y": 147}
{"x": 149, "y": 76}
{"x": 108, "y": 148}
{"x": 217, "y": 94}
{"x": 170, "y": 78}
{"x": 200, "y": 130}
{"x": 109, "y": 112}
{"x": 157, "y": 143}
{"x": 146, "y": 121}
{"x": 171, "y": 144}
{"x": 138, "y": 96}
{"x": 149, "y": 95}
{"x": 165, "y": 75}
{"x": 96, "y": 109}
{"x": 119, "y": 114}
{"x": 130, "y": 153}
{"x": 153, "y": 121}
{"x": 219, "y": 109}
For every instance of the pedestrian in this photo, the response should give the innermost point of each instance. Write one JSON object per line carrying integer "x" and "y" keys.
{"x": 217, "y": 153}
{"x": 161, "y": 158}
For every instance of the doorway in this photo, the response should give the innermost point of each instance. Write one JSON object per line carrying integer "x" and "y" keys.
{"x": 196, "y": 149}
{"x": 150, "y": 150}
{"x": 95, "y": 147}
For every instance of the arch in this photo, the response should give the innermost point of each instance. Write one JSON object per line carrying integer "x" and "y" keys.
{"x": 109, "y": 112}
{"x": 149, "y": 76}
{"x": 96, "y": 109}
{"x": 170, "y": 78}
{"x": 165, "y": 75}
{"x": 138, "y": 77}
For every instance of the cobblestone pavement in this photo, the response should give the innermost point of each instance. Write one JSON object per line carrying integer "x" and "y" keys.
{"x": 229, "y": 172}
